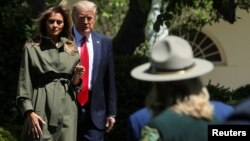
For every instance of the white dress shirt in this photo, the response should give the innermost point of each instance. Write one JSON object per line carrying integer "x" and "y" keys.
{"x": 78, "y": 39}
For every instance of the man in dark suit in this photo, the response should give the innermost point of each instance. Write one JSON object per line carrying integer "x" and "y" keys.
{"x": 97, "y": 102}
{"x": 241, "y": 114}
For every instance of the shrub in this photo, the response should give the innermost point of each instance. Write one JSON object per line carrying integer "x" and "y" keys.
{"x": 221, "y": 93}
{"x": 10, "y": 132}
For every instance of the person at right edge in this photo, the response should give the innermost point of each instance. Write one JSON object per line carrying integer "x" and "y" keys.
{"x": 97, "y": 99}
{"x": 178, "y": 99}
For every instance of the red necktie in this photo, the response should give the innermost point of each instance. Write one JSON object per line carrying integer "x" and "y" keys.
{"x": 83, "y": 94}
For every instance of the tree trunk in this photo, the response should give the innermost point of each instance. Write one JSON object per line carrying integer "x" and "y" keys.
{"x": 131, "y": 33}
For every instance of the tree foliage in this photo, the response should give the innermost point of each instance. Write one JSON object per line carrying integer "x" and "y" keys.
{"x": 14, "y": 16}
{"x": 110, "y": 14}
{"x": 124, "y": 21}
{"x": 194, "y": 14}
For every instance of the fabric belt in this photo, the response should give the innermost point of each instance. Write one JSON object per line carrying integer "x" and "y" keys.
{"x": 56, "y": 86}
{"x": 56, "y": 117}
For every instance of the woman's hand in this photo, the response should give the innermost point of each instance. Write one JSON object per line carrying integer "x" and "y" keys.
{"x": 35, "y": 122}
{"x": 78, "y": 72}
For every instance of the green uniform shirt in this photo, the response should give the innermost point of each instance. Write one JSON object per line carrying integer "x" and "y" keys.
{"x": 171, "y": 126}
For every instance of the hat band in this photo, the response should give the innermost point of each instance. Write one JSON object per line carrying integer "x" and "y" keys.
{"x": 153, "y": 70}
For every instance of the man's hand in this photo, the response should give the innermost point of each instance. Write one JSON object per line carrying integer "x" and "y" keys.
{"x": 110, "y": 121}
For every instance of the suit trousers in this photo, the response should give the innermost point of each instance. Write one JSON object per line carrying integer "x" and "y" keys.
{"x": 86, "y": 130}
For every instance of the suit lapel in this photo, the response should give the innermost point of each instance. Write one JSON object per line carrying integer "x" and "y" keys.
{"x": 97, "y": 55}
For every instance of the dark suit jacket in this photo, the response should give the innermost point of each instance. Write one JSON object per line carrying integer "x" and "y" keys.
{"x": 241, "y": 114}
{"x": 136, "y": 122}
{"x": 103, "y": 97}
{"x": 221, "y": 110}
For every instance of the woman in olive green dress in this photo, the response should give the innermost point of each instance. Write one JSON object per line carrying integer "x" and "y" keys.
{"x": 49, "y": 79}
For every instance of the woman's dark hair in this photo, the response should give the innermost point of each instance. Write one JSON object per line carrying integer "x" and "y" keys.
{"x": 41, "y": 21}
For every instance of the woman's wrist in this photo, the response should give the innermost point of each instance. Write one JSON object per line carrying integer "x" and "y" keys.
{"x": 76, "y": 79}
{"x": 28, "y": 113}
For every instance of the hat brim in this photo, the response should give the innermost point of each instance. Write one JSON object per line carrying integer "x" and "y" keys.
{"x": 200, "y": 68}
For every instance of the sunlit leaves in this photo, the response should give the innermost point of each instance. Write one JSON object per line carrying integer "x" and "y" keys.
{"x": 111, "y": 14}
{"x": 185, "y": 14}
{"x": 243, "y": 4}
{"x": 194, "y": 14}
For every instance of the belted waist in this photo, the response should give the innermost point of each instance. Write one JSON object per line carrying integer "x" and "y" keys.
{"x": 48, "y": 77}
{"x": 55, "y": 92}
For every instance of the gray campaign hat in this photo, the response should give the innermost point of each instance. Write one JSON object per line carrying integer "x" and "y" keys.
{"x": 171, "y": 59}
